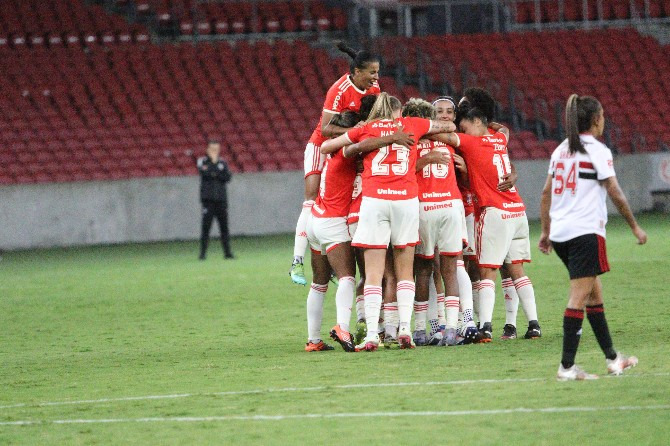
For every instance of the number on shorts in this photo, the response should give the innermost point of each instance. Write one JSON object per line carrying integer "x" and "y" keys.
{"x": 400, "y": 168}
{"x": 565, "y": 182}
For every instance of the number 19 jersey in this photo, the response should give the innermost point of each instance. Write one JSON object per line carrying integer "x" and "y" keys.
{"x": 578, "y": 199}
{"x": 389, "y": 172}
{"x": 487, "y": 160}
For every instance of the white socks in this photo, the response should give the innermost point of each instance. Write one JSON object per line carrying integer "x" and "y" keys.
{"x": 527, "y": 297}
{"x": 465, "y": 292}
{"x": 405, "y": 294}
{"x": 476, "y": 285}
{"x": 360, "y": 308}
{"x": 487, "y": 298}
{"x": 343, "y": 298}
{"x": 420, "y": 313}
{"x": 511, "y": 301}
{"x": 373, "y": 303}
{"x": 300, "y": 243}
{"x": 315, "y": 311}
{"x": 451, "y": 304}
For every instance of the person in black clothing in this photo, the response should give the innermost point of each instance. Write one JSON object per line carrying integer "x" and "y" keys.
{"x": 214, "y": 174}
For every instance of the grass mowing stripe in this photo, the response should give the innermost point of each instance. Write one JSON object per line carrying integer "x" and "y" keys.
{"x": 524, "y": 410}
{"x": 307, "y": 389}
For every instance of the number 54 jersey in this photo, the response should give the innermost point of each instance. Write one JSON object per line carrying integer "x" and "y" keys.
{"x": 578, "y": 204}
{"x": 389, "y": 172}
{"x": 487, "y": 160}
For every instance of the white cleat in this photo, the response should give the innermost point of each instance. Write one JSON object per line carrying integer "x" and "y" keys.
{"x": 617, "y": 365}
{"x": 370, "y": 344}
{"x": 405, "y": 338}
{"x": 574, "y": 373}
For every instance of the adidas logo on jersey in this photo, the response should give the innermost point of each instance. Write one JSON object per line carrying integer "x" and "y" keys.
{"x": 353, "y": 104}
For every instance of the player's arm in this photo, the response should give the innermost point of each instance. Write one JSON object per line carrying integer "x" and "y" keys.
{"x": 432, "y": 157}
{"x": 619, "y": 199}
{"x": 370, "y": 144}
{"x": 499, "y": 128}
{"x": 335, "y": 144}
{"x": 448, "y": 138}
{"x": 508, "y": 180}
{"x": 328, "y": 129}
{"x": 441, "y": 127}
{"x": 545, "y": 204}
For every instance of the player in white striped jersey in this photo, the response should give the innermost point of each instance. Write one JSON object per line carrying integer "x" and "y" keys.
{"x": 574, "y": 213}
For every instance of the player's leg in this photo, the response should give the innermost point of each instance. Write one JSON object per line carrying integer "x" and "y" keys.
{"x": 205, "y": 227}
{"x": 341, "y": 259}
{"x": 511, "y": 303}
{"x": 317, "y": 292}
{"x": 403, "y": 260}
{"x": 313, "y": 164}
{"x": 375, "y": 260}
{"x": 452, "y": 301}
{"x": 436, "y": 313}
{"x": 361, "y": 326}
{"x": 423, "y": 272}
{"x": 470, "y": 332}
{"x": 390, "y": 308}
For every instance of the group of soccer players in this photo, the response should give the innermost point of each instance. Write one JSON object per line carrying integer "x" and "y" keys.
{"x": 400, "y": 177}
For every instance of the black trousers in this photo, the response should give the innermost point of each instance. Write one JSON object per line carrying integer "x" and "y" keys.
{"x": 211, "y": 209}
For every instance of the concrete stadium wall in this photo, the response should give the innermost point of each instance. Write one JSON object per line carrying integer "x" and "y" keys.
{"x": 153, "y": 209}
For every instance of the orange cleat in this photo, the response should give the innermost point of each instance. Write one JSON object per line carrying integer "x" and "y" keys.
{"x": 319, "y": 347}
{"x": 343, "y": 337}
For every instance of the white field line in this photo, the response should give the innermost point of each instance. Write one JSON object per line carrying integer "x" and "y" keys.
{"x": 524, "y": 410}
{"x": 303, "y": 389}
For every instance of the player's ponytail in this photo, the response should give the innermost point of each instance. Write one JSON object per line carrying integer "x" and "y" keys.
{"x": 384, "y": 107}
{"x": 580, "y": 115}
{"x": 359, "y": 59}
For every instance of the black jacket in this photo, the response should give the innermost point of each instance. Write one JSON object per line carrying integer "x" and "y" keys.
{"x": 213, "y": 179}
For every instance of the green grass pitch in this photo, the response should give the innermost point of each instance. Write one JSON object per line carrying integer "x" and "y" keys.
{"x": 144, "y": 344}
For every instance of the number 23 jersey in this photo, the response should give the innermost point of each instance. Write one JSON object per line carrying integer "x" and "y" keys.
{"x": 389, "y": 172}
{"x": 578, "y": 199}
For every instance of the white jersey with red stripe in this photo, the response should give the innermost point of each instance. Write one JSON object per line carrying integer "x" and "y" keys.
{"x": 343, "y": 95}
{"x": 389, "y": 173}
{"x": 578, "y": 201}
{"x": 437, "y": 182}
{"x": 336, "y": 188}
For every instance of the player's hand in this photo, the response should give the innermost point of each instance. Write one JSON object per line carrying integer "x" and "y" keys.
{"x": 545, "y": 244}
{"x": 459, "y": 163}
{"x": 438, "y": 157}
{"x": 507, "y": 181}
{"x": 640, "y": 235}
{"x": 402, "y": 138}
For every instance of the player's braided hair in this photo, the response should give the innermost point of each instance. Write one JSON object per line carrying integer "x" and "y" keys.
{"x": 418, "y": 108}
{"x": 359, "y": 59}
{"x": 384, "y": 107}
{"x": 580, "y": 114}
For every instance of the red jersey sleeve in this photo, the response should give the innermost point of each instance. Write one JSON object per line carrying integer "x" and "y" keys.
{"x": 355, "y": 134}
{"x": 468, "y": 142}
{"x": 419, "y": 126}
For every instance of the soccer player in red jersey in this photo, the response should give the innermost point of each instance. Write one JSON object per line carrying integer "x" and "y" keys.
{"x": 389, "y": 210}
{"x": 343, "y": 95}
{"x": 573, "y": 212}
{"x": 328, "y": 235}
{"x": 502, "y": 228}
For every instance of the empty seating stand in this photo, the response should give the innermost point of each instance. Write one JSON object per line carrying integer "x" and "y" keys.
{"x": 553, "y": 11}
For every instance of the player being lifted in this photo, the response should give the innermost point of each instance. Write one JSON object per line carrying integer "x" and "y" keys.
{"x": 501, "y": 234}
{"x": 389, "y": 209}
{"x": 345, "y": 94}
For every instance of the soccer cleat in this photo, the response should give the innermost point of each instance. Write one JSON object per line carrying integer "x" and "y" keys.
{"x": 370, "y": 344}
{"x": 361, "y": 331}
{"x": 343, "y": 337}
{"x": 534, "y": 330}
{"x": 297, "y": 274}
{"x": 405, "y": 338}
{"x": 509, "y": 332}
{"x": 469, "y": 335}
{"x": 450, "y": 337}
{"x": 391, "y": 343}
{"x": 318, "y": 347}
{"x": 436, "y": 338}
{"x": 420, "y": 338}
{"x": 617, "y": 365}
{"x": 486, "y": 333}
{"x": 574, "y": 373}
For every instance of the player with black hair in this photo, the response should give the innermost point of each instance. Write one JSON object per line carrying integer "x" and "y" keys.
{"x": 573, "y": 212}
{"x": 343, "y": 95}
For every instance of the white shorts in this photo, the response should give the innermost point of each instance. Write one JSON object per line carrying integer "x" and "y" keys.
{"x": 502, "y": 236}
{"x": 324, "y": 234}
{"x": 441, "y": 225}
{"x": 314, "y": 160}
{"x": 469, "y": 250}
{"x": 387, "y": 221}
{"x": 352, "y": 228}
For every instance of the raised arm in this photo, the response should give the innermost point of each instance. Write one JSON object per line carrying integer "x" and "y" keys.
{"x": 499, "y": 128}
{"x": 619, "y": 199}
{"x": 545, "y": 204}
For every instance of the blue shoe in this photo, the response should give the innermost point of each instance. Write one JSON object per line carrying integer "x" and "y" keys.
{"x": 297, "y": 274}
